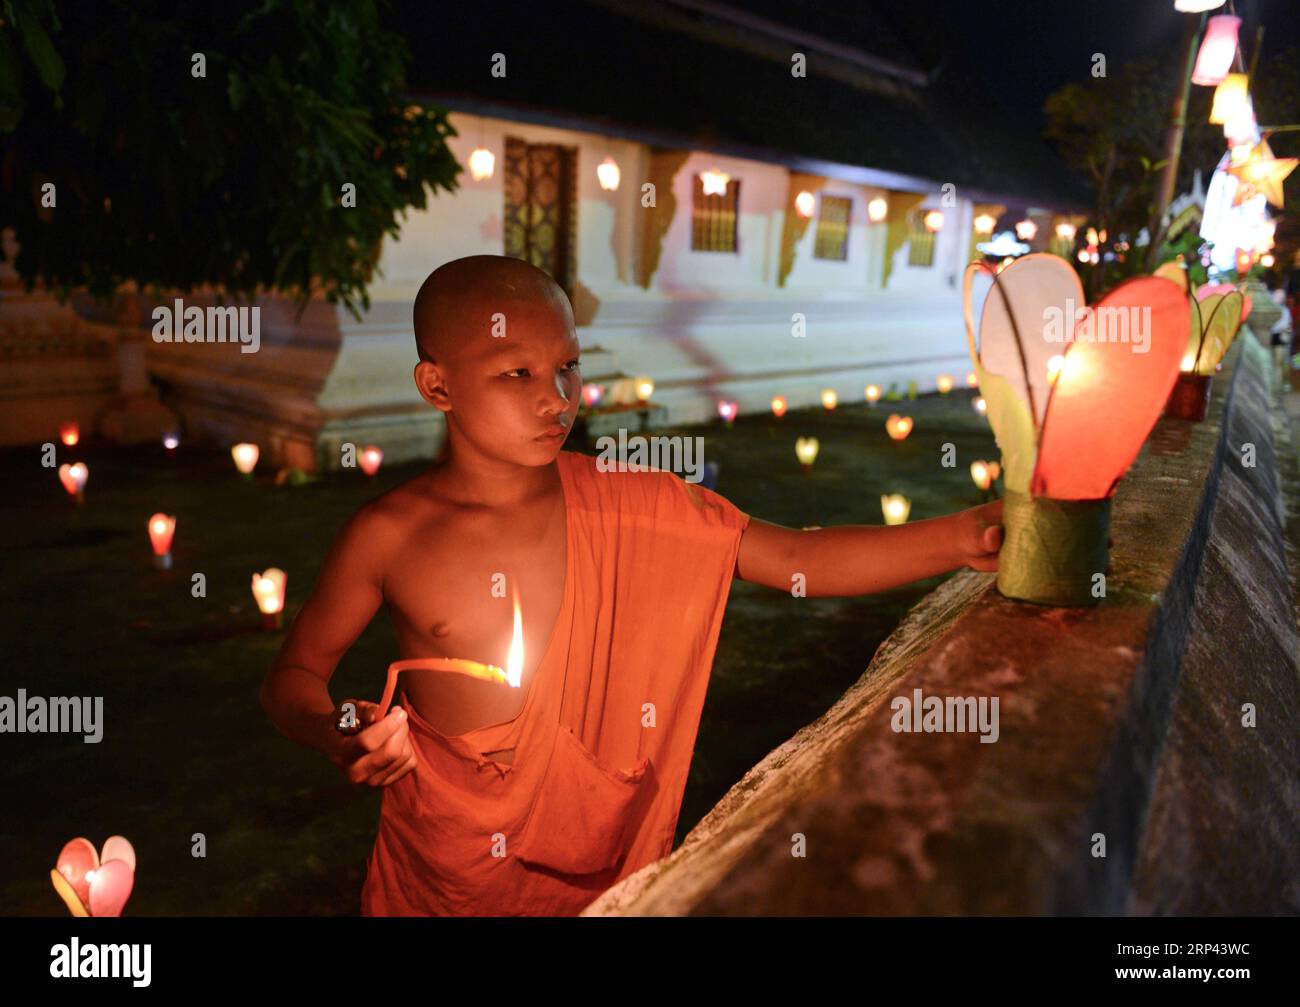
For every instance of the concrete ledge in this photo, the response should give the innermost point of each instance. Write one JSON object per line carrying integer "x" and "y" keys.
{"x": 1123, "y": 721}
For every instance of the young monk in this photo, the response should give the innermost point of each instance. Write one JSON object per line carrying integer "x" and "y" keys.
{"x": 532, "y": 800}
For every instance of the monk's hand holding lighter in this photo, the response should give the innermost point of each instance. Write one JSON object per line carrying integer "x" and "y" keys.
{"x": 371, "y": 750}
{"x": 984, "y": 536}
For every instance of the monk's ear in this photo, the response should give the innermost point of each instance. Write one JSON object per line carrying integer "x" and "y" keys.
{"x": 432, "y": 385}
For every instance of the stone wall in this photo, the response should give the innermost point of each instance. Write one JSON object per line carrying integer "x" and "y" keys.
{"x": 1123, "y": 724}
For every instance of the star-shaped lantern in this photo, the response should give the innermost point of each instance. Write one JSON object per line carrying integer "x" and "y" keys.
{"x": 1261, "y": 173}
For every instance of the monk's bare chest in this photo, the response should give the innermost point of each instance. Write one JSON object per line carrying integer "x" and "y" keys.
{"x": 451, "y": 593}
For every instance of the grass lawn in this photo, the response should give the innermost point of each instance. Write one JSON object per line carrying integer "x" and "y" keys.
{"x": 186, "y": 748}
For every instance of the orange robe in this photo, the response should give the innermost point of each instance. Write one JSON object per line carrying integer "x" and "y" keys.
{"x": 606, "y": 735}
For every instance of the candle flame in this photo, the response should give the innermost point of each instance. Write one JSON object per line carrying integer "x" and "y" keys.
{"x": 515, "y": 661}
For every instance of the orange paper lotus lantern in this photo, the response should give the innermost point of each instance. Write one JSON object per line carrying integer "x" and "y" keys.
{"x": 161, "y": 529}
{"x": 898, "y": 427}
{"x": 370, "y": 459}
{"x": 779, "y": 406}
{"x": 95, "y": 884}
{"x": 1067, "y": 442}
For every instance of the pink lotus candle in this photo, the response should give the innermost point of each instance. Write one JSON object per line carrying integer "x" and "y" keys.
{"x": 161, "y": 529}
{"x": 74, "y": 479}
{"x": 268, "y": 591}
{"x": 371, "y": 457}
{"x": 95, "y": 884}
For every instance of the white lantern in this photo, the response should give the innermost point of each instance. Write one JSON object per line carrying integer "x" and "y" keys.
{"x": 877, "y": 210}
{"x": 1026, "y": 230}
{"x": 482, "y": 163}
{"x": 805, "y": 203}
{"x": 714, "y": 182}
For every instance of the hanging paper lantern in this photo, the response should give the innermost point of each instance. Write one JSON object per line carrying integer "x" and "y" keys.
{"x": 895, "y": 507}
{"x": 69, "y": 433}
{"x": 985, "y": 223}
{"x": 1261, "y": 173}
{"x": 370, "y": 459}
{"x": 1066, "y": 231}
{"x": 482, "y": 163}
{"x": 74, "y": 479}
{"x": 872, "y": 392}
{"x": 714, "y": 182}
{"x": 592, "y": 395}
{"x": 1066, "y": 443}
{"x": 779, "y": 406}
{"x": 805, "y": 203}
{"x": 805, "y": 449}
{"x": 1196, "y": 6}
{"x": 607, "y": 174}
{"x": 1026, "y": 230}
{"x": 1230, "y": 98}
{"x": 1266, "y": 260}
{"x": 877, "y": 210}
{"x": 245, "y": 456}
{"x": 644, "y": 389}
{"x": 1218, "y": 47}
{"x": 829, "y": 399}
{"x": 727, "y": 409}
{"x": 161, "y": 529}
{"x": 898, "y": 427}
{"x": 933, "y": 221}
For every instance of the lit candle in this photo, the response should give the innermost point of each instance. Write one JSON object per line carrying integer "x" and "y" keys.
{"x": 1055, "y": 365}
{"x": 829, "y": 399}
{"x": 69, "y": 433}
{"x": 943, "y": 383}
{"x": 979, "y": 405}
{"x": 245, "y": 456}
{"x": 896, "y": 507}
{"x": 268, "y": 590}
{"x": 74, "y": 479}
{"x": 171, "y": 439}
{"x": 161, "y": 529}
{"x": 972, "y": 380}
{"x": 779, "y": 406}
{"x": 934, "y": 221}
{"x": 607, "y": 174}
{"x": 898, "y": 427}
{"x": 482, "y": 162}
{"x": 806, "y": 448}
{"x": 644, "y": 389}
{"x": 873, "y": 394}
{"x": 984, "y": 473}
{"x": 727, "y": 410}
{"x": 371, "y": 456}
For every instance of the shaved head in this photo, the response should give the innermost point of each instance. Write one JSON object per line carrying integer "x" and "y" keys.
{"x": 456, "y": 305}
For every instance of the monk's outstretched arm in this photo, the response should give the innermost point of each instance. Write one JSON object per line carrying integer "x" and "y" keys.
{"x": 864, "y": 559}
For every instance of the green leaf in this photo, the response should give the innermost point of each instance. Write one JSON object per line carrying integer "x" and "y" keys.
{"x": 39, "y": 47}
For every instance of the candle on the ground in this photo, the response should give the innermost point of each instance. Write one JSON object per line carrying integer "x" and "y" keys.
{"x": 74, "y": 479}
{"x": 898, "y": 427}
{"x": 370, "y": 458}
{"x": 896, "y": 507}
{"x": 245, "y": 456}
{"x": 161, "y": 529}
{"x": 806, "y": 448}
{"x": 268, "y": 590}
